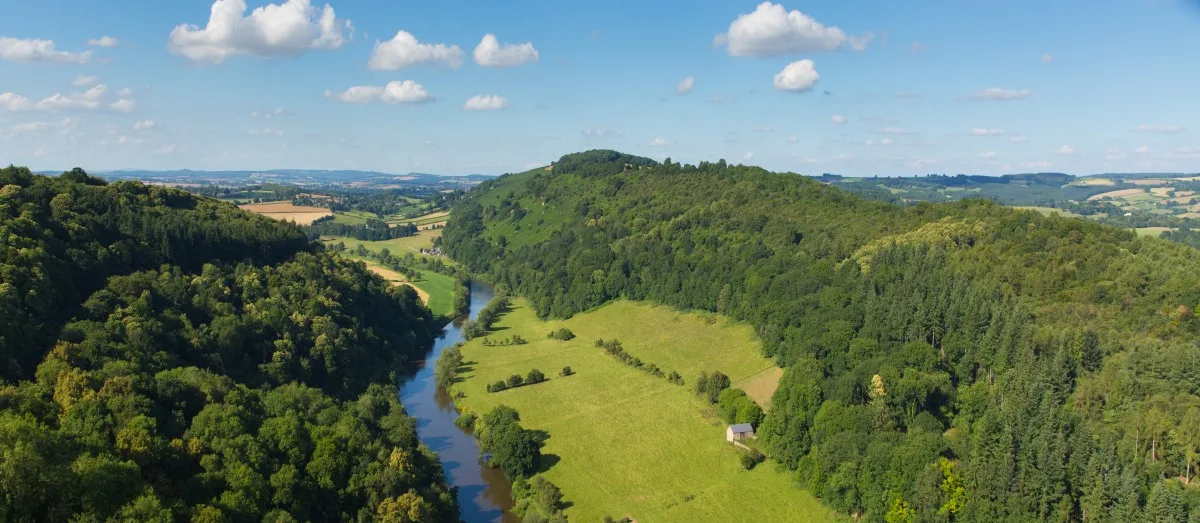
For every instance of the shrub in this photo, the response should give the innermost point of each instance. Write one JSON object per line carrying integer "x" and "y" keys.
{"x": 515, "y": 381}
{"x": 563, "y": 334}
{"x": 467, "y": 421}
{"x": 566, "y": 371}
{"x": 535, "y": 376}
{"x": 497, "y": 387}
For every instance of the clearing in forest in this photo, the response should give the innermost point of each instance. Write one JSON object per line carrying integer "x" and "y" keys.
{"x": 285, "y": 211}
{"x": 436, "y": 290}
{"x": 622, "y": 441}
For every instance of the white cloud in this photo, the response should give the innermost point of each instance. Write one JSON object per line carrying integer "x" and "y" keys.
{"x": 892, "y": 130}
{"x": 793, "y": 139}
{"x": 62, "y": 126}
{"x": 83, "y": 81}
{"x": 917, "y": 47}
{"x": 762, "y": 129}
{"x": 482, "y": 102}
{"x": 1065, "y": 150}
{"x": 103, "y": 41}
{"x": 658, "y": 142}
{"x": 885, "y": 141}
{"x": 838, "y": 119}
{"x": 144, "y": 125}
{"x": 1142, "y": 150}
{"x": 166, "y": 149}
{"x": 990, "y": 155}
{"x": 685, "y": 86}
{"x": 287, "y": 29}
{"x": 748, "y": 156}
{"x": 1157, "y": 128}
{"x": 1017, "y": 138}
{"x": 797, "y": 77}
{"x": 36, "y": 50}
{"x": 395, "y": 92}
{"x": 1040, "y": 164}
{"x": 125, "y": 92}
{"x": 602, "y": 133}
{"x": 267, "y": 115}
{"x": 14, "y": 102}
{"x": 404, "y": 50}
{"x": 771, "y": 30}
{"x": 869, "y": 143}
{"x": 123, "y": 105}
{"x": 89, "y": 100}
{"x": 266, "y": 131}
{"x": 996, "y": 93}
{"x": 982, "y": 131}
{"x": 1047, "y": 58}
{"x": 490, "y": 53}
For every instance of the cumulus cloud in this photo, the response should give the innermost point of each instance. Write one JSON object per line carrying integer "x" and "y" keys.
{"x": 892, "y": 130}
{"x": 793, "y": 139}
{"x": 89, "y": 100}
{"x": 490, "y": 53}
{"x": 685, "y": 86}
{"x": 404, "y": 50}
{"x": 982, "y": 131}
{"x": 1157, "y": 128}
{"x": 83, "y": 81}
{"x": 797, "y": 77}
{"x": 1065, "y": 150}
{"x": 1142, "y": 150}
{"x": 123, "y": 106}
{"x": 483, "y": 102}
{"x": 771, "y": 30}
{"x": 103, "y": 41}
{"x": 266, "y": 131}
{"x": 658, "y": 142}
{"x": 14, "y": 102}
{"x": 990, "y": 155}
{"x": 748, "y": 156}
{"x": 1047, "y": 58}
{"x": 838, "y": 119}
{"x": 885, "y": 141}
{"x": 762, "y": 129}
{"x": 37, "y": 50}
{"x": 395, "y": 92}
{"x": 997, "y": 93}
{"x": 267, "y": 115}
{"x": 63, "y": 127}
{"x": 144, "y": 125}
{"x": 288, "y": 29}
{"x": 1017, "y": 139}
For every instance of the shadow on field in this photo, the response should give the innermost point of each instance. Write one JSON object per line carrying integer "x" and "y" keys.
{"x": 547, "y": 461}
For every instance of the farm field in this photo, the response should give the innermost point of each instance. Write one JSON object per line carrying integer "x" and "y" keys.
{"x": 435, "y": 289}
{"x": 1115, "y": 194}
{"x": 623, "y": 442}
{"x": 353, "y": 217}
{"x": 1153, "y": 231}
{"x": 1094, "y": 181}
{"x": 285, "y": 211}
{"x": 397, "y": 246}
{"x": 1047, "y": 211}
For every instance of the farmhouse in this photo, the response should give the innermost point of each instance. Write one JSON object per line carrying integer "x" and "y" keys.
{"x": 739, "y": 431}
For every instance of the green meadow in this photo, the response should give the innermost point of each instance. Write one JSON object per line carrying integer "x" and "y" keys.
{"x": 623, "y": 442}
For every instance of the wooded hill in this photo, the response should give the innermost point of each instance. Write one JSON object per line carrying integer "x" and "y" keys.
{"x": 167, "y": 357}
{"x": 960, "y": 361}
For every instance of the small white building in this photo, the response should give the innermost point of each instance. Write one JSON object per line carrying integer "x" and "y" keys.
{"x": 739, "y": 431}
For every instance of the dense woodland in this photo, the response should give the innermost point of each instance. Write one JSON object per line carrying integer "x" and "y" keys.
{"x": 167, "y": 357}
{"x": 959, "y": 361}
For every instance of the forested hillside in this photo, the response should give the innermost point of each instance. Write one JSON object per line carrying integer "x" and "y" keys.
{"x": 167, "y": 357}
{"x": 958, "y": 361}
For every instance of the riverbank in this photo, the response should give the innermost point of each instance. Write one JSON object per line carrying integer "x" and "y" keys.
{"x": 623, "y": 441}
{"x": 484, "y": 494}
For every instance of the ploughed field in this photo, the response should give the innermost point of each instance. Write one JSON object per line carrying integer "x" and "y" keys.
{"x": 623, "y": 442}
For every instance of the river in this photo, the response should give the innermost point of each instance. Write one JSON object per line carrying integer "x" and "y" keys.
{"x": 483, "y": 493}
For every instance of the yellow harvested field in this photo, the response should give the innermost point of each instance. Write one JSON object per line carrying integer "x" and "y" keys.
{"x": 430, "y": 226}
{"x": 285, "y": 211}
{"x": 761, "y": 386}
{"x": 1147, "y": 181}
{"x": 1115, "y": 194}
{"x": 1094, "y": 181}
{"x": 397, "y": 279}
{"x": 1185, "y": 193}
{"x": 1161, "y": 191}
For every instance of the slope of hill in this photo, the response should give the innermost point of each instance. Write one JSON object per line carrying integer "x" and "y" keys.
{"x": 168, "y": 357}
{"x": 955, "y": 361}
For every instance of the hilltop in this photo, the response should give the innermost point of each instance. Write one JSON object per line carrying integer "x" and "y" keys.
{"x": 956, "y": 360}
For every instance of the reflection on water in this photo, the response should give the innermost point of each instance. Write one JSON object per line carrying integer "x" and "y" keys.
{"x": 483, "y": 493}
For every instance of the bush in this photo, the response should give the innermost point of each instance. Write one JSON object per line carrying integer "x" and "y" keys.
{"x": 535, "y": 376}
{"x": 563, "y": 334}
{"x": 497, "y": 387}
{"x": 566, "y": 371}
{"x": 467, "y": 421}
{"x": 515, "y": 381}
{"x": 752, "y": 458}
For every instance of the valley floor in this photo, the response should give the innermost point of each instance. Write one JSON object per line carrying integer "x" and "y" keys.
{"x": 623, "y": 442}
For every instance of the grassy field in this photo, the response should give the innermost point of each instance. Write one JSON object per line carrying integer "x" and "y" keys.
{"x": 1047, "y": 211}
{"x": 623, "y": 442}
{"x": 353, "y": 217}
{"x": 397, "y": 246}
{"x": 1152, "y": 231}
{"x": 435, "y": 289}
{"x": 285, "y": 211}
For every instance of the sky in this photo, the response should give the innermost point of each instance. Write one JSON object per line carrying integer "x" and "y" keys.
{"x": 452, "y": 87}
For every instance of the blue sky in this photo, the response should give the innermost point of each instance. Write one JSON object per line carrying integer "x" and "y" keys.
{"x": 856, "y": 88}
